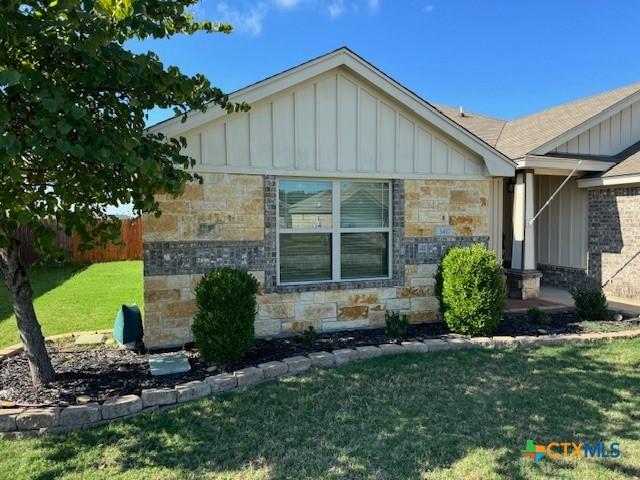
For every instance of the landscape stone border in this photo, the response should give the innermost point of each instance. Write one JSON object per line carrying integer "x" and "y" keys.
{"x": 21, "y": 422}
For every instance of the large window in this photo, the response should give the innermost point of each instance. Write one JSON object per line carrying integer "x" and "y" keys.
{"x": 332, "y": 230}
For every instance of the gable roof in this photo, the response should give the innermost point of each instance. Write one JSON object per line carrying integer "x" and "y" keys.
{"x": 496, "y": 162}
{"x": 536, "y": 133}
{"x": 532, "y": 132}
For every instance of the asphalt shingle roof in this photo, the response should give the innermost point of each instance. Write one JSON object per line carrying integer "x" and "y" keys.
{"x": 628, "y": 162}
{"x": 487, "y": 128}
{"x": 516, "y": 138}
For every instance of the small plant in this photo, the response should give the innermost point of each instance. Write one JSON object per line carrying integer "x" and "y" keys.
{"x": 223, "y": 327}
{"x": 308, "y": 337}
{"x": 591, "y": 303}
{"x": 396, "y": 325}
{"x": 471, "y": 290}
{"x": 538, "y": 316}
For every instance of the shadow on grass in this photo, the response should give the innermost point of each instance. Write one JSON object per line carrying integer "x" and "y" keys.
{"x": 388, "y": 418}
{"x": 43, "y": 278}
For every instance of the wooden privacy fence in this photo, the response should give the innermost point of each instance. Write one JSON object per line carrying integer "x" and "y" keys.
{"x": 131, "y": 248}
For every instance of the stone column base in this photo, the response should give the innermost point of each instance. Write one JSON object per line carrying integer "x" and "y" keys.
{"x": 523, "y": 284}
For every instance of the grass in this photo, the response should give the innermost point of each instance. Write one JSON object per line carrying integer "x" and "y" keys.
{"x": 72, "y": 298}
{"x": 446, "y": 415}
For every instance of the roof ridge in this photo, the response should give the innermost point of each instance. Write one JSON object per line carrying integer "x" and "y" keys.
{"x": 483, "y": 115}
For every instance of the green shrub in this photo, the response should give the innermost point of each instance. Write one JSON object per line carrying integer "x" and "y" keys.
{"x": 538, "y": 316}
{"x": 223, "y": 327}
{"x": 471, "y": 290}
{"x": 591, "y": 304}
{"x": 308, "y": 337}
{"x": 396, "y": 325}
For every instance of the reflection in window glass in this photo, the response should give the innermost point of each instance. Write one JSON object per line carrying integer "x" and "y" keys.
{"x": 305, "y": 204}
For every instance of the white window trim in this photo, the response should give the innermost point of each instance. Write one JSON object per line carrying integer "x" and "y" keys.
{"x": 335, "y": 231}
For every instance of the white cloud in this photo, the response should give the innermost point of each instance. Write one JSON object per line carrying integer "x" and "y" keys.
{"x": 249, "y": 16}
{"x": 249, "y": 21}
{"x": 336, "y": 8}
{"x": 428, "y": 8}
{"x": 287, "y": 4}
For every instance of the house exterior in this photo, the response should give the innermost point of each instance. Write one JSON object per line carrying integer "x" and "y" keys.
{"x": 589, "y": 234}
{"x": 341, "y": 189}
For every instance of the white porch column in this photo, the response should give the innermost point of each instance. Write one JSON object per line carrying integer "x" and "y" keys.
{"x": 523, "y": 255}
{"x": 523, "y": 278}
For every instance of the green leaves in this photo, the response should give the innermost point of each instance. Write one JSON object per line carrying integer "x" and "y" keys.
{"x": 72, "y": 111}
{"x": 116, "y": 9}
{"x": 64, "y": 127}
{"x": 9, "y": 77}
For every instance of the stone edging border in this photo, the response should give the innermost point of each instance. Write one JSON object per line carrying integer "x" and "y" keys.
{"x": 21, "y": 422}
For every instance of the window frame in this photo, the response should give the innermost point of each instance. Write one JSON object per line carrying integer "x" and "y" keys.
{"x": 336, "y": 230}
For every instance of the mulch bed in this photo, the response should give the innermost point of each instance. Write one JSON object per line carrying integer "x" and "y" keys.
{"x": 105, "y": 371}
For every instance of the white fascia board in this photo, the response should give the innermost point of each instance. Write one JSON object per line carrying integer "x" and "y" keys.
{"x": 609, "y": 181}
{"x": 497, "y": 163}
{"x": 262, "y": 89}
{"x": 586, "y": 125}
{"x": 562, "y": 163}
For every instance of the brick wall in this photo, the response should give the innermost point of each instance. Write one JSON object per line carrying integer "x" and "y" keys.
{"x": 614, "y": 240}
{"x": 230, "y": 220}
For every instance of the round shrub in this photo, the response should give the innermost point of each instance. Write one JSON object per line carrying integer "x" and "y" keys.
{"x": 471, "y": 290}
{"x": 591, "y": 303}
{"x": 223, "y": 327}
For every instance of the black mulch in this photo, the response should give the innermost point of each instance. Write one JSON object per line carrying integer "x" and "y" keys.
{"x": 105, "y": 372}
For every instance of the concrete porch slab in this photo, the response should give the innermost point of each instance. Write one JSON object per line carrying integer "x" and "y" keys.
{"x": 554, "y": 299}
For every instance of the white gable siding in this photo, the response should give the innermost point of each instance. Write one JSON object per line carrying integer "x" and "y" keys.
{"x": 334, "y": 124}
{"x": 609, "y": 137}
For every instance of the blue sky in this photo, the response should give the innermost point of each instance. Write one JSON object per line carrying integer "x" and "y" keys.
{"x": 501, "y": 58}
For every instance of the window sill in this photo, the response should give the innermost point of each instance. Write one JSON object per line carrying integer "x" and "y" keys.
{"x": 342, "y": 285}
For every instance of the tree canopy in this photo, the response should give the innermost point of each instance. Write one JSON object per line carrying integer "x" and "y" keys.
{"x": 73, "y": 103}
{"x": 72, "y": 112}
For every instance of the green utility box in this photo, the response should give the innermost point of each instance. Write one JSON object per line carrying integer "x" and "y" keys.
{"x": 128, "y": 325}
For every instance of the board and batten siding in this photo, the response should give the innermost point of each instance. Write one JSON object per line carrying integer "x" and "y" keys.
{"x": 609, "y": 137}
{"x": 562, "y": 226}
{"x": 334, "y": 124}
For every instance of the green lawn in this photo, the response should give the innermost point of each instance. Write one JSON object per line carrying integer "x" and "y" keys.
{"x": 446, "y": 415}
{"x": 72, "y": 298}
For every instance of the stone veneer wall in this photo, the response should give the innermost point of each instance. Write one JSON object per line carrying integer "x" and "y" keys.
{"x": 231, "y": 220}
{"x": 614, "y": 240}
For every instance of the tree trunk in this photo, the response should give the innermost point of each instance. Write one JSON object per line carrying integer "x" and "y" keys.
{"x": 19, "y": 287}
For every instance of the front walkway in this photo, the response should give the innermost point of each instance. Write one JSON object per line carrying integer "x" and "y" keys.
{"x": 557, "y": 299}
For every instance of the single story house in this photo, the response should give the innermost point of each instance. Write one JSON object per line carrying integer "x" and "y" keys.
{"x": 341, "y": 189}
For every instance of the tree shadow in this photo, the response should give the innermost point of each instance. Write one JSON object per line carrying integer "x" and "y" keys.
{"x": 393, "y": 417}
{"x": 43, "y": 278}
